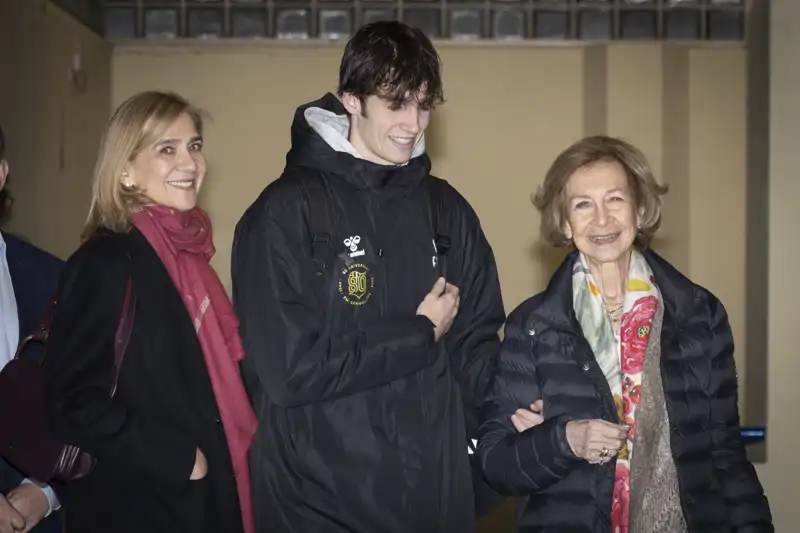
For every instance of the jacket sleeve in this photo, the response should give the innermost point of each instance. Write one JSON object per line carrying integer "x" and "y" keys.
{"x": 748, "y": 509}
{"x": 518, "y": 464}
{"x": 473, "y": 342}
{"x": 79, "y": 369}
{"x": 282, "y": 312}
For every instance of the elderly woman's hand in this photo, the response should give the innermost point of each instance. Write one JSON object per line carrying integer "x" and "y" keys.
{"x": 525, "y": 419}
{"x": 596, "y": 441}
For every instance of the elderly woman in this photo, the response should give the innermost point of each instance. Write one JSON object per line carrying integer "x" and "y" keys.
{"x": 614, "y": 406}
{"x": 171, "y": 443}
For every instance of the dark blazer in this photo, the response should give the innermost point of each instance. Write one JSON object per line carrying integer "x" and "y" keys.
{"x": 144, "y": 438}
{"x": 34, "y": 275}
{"x": 545, "y": 355}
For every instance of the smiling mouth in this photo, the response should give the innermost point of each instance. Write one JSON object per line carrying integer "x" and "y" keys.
{"x": 405, "y": 142}
{"x": 182, "y": 184}
{"x": 604, "y": 239}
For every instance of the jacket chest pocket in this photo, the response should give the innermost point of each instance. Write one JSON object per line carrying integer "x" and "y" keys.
{"x": 409, "y": 274}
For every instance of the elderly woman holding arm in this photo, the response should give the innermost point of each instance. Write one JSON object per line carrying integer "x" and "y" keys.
{"x": 614, "y": 406}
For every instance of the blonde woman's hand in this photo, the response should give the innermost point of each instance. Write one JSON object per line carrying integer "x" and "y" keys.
{"x": 200, "y": 466}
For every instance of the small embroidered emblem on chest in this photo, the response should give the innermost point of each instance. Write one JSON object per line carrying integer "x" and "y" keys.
{"x": 356, "y": 284}
{"x": 352, "y": 244}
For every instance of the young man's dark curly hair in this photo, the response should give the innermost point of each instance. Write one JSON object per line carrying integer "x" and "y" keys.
{"x": 394, "y": 61}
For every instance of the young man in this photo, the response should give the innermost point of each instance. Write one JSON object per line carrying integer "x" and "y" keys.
{"x": 368, "y": 351}
{"x": 28, "y": 277}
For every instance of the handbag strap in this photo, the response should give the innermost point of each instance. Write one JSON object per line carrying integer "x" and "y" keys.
{"x": 121, "y": 337}
{"x": 124, "y": 328}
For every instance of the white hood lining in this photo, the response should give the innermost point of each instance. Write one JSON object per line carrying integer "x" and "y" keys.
{"x": 335, "y": 129}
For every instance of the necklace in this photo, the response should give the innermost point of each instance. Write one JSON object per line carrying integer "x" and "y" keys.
{"x": 615, "y": 313}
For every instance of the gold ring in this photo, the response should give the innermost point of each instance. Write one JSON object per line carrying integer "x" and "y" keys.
{"x": 604, "y": 453}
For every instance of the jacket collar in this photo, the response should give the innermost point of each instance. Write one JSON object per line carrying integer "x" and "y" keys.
{"x": 680, "y": 295}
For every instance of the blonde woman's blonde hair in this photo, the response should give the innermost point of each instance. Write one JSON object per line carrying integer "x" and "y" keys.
{"x": 136, "y": 124}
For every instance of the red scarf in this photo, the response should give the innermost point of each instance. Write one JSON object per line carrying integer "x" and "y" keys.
{"x": 184, "y": 243}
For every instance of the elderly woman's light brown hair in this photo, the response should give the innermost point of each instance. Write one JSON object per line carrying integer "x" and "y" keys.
{"x": 136, "y": 124}
{"x": 551, "y": 200}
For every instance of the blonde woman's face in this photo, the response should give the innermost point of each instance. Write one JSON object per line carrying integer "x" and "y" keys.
{"x": 601, "y": 215}
{"x": 170, "y": 172}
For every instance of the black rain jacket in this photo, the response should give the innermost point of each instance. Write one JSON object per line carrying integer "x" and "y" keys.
{"x": 364, "y": 419}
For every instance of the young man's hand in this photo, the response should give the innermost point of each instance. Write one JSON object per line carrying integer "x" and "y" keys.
{"x": 440, "y": 306}
{"x": 527, "y": 418}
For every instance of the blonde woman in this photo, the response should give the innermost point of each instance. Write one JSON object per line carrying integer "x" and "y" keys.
{"x": 614, "y": 407}
{"x": 171, "y": 445}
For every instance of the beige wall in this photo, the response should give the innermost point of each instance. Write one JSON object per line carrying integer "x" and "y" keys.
{"x": 52, "y": 122}
{"x": 780, "y": 474}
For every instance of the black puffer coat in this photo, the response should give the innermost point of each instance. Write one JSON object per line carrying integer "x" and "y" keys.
{"x": 545, "y": 355}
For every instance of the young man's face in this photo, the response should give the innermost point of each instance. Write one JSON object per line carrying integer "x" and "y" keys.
{"x": 384, "y": 133}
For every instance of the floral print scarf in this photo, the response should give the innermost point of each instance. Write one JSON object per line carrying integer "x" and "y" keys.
{"x": 621, "y": 357}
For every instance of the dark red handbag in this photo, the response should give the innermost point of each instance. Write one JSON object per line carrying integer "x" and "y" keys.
{"x": 25, "y": 439}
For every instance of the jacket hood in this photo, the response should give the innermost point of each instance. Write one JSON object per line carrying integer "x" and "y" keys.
{"x": 320, "y": 133}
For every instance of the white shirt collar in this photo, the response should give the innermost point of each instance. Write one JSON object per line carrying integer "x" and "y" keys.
{"x": 9, "y": 318}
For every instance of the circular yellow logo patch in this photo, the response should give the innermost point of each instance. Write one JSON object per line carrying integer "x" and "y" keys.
{"x": 356, "y": 284}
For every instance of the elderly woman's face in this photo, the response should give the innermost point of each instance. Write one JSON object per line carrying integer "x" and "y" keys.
{"x": 601, "y": 215}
